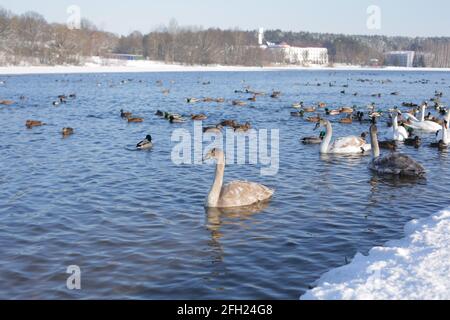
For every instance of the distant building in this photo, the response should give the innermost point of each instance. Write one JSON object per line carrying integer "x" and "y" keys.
{"x": 122, "y": 56}
{"x": 399, "y": 59}
{"x": 296, "y": 55}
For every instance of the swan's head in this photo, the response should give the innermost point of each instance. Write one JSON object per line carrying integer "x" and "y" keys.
{"x": 216, "y": 154}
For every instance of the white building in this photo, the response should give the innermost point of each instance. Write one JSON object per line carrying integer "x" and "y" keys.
{"x": 296, "y": 55}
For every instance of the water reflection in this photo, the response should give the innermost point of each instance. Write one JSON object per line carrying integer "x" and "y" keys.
{"x": 218, "y": 218}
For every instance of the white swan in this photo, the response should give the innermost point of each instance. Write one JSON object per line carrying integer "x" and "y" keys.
{"x": 346, "y": 145}
{"x": 399, "y": 132}
{"x": 235, "y": 194}
{"x": 443, "y": 134}
{"x": 393, "y": 163}
{"x": 422, "y": 125}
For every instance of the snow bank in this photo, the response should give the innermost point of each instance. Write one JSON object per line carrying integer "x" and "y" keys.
{"x": 100, "y": 65}
{"x": 414, "y": 268}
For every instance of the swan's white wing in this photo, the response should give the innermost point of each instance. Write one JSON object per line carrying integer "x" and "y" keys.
{"x": 242, "y": 193}
{"x": 351, "y": 144}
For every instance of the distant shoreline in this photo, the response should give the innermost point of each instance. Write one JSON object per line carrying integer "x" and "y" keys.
{"x": 154, "y": 67}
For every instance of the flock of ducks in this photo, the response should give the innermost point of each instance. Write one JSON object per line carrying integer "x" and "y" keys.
{"x": 403, "y": 126}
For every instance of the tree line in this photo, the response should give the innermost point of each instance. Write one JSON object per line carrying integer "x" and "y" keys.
{"x": 29, "y": 38}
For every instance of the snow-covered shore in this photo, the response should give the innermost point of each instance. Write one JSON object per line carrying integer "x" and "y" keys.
{"x": 414, "y": 268}
{"x": 111, "y": 66}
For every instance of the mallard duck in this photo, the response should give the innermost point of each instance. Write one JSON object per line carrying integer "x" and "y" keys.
{"x": 229, "y": 123}
{"x": 322, "y": 105}
{"x": 6, "y": 102}
{"x": 309, "y": 109}
{"x": 145, "y": 144}
{"x": 192, "y": 100}
{"x": 332, "y": 112}
{"x": 220, "y": 100}
{"x": 347, "y": 120}
{"x": 415, "y": 142}
{"x": 238, "y": 103}
{"x": 135, "y": 120}
{"x": 174, "y": 119}
{"x": 388, "y": 144}
{"x": 275, "y": 94}
{"x": 297, "y": 114}
{"x": 33, "y": 123}
{"x": 346, "y": 110}
{"x": 125, "y": 115}
{"x": 441, "y": 145}
{"x": 314, "y": 140}
{"x": 199, "y": 117}
{"x": 216, "y": 129}
{"x": 298, "y": 105}
{"x": 243, "y": 128}
{"x": 67, "y": 132}
{"x": 253, "y": 99}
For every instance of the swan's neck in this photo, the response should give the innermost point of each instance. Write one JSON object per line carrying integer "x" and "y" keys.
{"x": 422, "y": 117}
{"x": 395, "y": 123}
{"x": 445, "y": 134}
{"x": 375, "y": 146}
{"x": 216, "y": 189}
{"x": 327, "y": 140}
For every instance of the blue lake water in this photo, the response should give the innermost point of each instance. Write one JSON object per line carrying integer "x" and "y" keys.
{"x": 134, "y": 222}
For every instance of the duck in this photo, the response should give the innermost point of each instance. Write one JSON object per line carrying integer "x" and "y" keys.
{"x": 346, "y": 145}
{"x": 314, "y": 140}
{"x": 216, "y": 129}
{"x": 346, "y": 110}
{"x": 192, "y": 100}
{"x": 399, "y": 133}
{"x": 135, "y": 120}
{"x": 415, "y": 142}
{"x": 298, "y": 113}
{"x": 145, "y": 144}
{"x": 199, "y": 117}
{"x": 125, "y": 115}
{"x": 309, "y": 109}
{"x": 6, "y": 102}
{"x": 394, "y": 163}
{"x": 174, "y": 119}
{"x": 275, "y": 94}
{"x": 243, "y": 128}
{"x": 238, "y": 103}
{"x": 347, "y": 120}
{"x": 388, "y": 144}
{"x": 229, "y": 123}
{"x": 253, "y": 99}
{"x": 33, "y": 123}
{"x": 332, "y": 112}
{"x": 235, "y": 194}
{"x": 422, "y": 125}
{"x": 440, "y": 145}
{"x": 67, "y": 132}
{"x": 297, "y": 105}
{"x": 159, "y": 113}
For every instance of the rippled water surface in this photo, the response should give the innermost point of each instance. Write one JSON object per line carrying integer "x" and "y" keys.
{"x": 134, "y": 221}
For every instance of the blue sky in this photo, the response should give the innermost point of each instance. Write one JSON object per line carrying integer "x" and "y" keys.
{"x": 398, "y": 17}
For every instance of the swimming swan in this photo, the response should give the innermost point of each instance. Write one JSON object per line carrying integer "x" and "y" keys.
{"x": 236, "y": 193}
{"x": 443, "y": 133}
{"x": 393, "y": 163}
{"x": 399, "y": 132}
{"x": 347, "y": 145}
{"x": 422, "y": 125}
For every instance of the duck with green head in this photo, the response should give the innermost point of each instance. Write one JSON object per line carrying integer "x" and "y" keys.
{"x": 145, "y": 144}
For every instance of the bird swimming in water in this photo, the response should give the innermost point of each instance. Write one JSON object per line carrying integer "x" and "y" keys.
{"x": 145, "y": 144}
{"x": 394, "y": 163}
